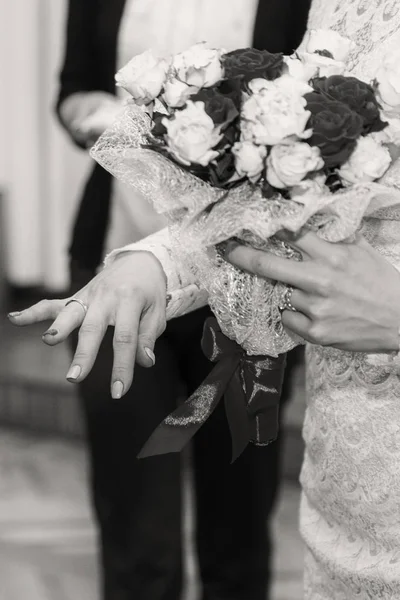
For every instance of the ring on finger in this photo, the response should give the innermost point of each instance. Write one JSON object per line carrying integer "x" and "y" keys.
{"x": 286, "y": 300}
{"x": 80, "y": 302}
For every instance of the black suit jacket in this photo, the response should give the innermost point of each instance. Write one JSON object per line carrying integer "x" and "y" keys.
{"x": 90, "y": 64}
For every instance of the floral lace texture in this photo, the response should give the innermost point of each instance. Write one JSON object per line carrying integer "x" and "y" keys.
{"x": 350, "y": 516}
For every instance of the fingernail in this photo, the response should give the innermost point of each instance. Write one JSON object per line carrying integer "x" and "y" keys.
{"x": 51, "y": 332}
{"x": 74, "y": 373}
{"x": 151, "y": 355}
{"x": 12, "y": 315}
{"x": 117, "y": 390}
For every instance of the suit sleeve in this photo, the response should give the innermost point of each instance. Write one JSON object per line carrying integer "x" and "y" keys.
{"x": 80, "y": 70}
{"x": 280, "y": 25}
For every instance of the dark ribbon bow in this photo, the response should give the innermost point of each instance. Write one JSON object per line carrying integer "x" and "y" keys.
{"x": 251, "y": 386}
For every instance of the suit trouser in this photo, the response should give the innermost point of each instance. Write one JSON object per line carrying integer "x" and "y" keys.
{"x": 138, "y": 502}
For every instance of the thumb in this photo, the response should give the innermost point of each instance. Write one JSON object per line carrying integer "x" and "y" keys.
{"x": 151, "y": 327}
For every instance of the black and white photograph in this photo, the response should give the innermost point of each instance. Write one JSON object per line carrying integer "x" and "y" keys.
{"x": 200, "y": 300}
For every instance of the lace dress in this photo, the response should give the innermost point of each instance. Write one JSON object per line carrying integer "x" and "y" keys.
{"x": 350, "y": 513}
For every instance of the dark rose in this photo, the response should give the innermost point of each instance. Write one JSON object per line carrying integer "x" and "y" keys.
{"x": 158, "y": 130}
{"x": 357, "y": 95}
{"x": 222, "y": 170}
{"x": 232, "y": 89}
{"x": 335, "y": 126}
{"x": 248, "y": 64}
{"x": 220, "y": 108}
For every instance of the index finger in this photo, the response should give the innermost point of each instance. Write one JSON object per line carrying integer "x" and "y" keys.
{"x": 44, "y": 310}
{"x": 301, "y": 275}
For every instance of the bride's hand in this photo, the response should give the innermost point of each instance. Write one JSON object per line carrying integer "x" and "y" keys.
{"x": 346, "y": 295}
{"x": 129, "y": 294}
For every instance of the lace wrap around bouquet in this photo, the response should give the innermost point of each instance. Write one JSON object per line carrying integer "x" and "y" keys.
{"x": 241, "y": 146}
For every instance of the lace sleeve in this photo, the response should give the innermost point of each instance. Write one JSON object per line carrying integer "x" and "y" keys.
{"x": 183, "y": 292}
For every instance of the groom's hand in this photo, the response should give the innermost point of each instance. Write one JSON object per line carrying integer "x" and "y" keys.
{"x": 345, "y": 295}
{"x": 129, "y": 294}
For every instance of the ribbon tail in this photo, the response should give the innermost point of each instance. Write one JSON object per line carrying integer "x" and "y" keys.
{"x": 237, "y": 415}
{"x": 176, "y": 431}
{"x": 263, "y": 401}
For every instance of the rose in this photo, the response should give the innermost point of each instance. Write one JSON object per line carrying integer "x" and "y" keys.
{"x": 335, "y": 128}
{"x": 199, "y": 66}
{"x": 191, "y": 135}
{"x": 219, "y": 107}
{"x": 357, "y": 95}
{"x": 388, "y": 80}
{"x": 273, "y": 115}
{"x": 176, "y": 93}
{"x": 249, "y": 63}
{"x": 291, "y": 85}
{"x": 288, "y": 164}
{"x": 369, "y": 162}
{"x": 322, "y": 40}
{"x": 249, "y": 160}
{"x": 143, "y": 77}
{"x": 391, "y": 133}
{"x": 299, "y": 69}
{"x": 321, "y": 66}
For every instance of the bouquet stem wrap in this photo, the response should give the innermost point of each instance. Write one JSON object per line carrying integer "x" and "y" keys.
{"x": 251, "y": 387}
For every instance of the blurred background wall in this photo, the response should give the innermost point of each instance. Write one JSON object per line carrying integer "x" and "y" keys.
{"x": 40, "y": 171}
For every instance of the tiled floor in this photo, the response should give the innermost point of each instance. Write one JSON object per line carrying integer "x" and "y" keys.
{"x": 47, "y": 538}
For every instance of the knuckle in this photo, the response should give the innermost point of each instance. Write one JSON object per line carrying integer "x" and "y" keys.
{"x": 81, "y": 357}
{"x": 316, "y": 334}
{"x": 339, "y": 258}
{"x": 122, "y": 371}
{"x": 317, "y": 309}
{"x": 43, "y": 305}
{"x": 99, "y": 286}
{"x": 132, "y": 292}
{"x": 324, "y": 284}
{"x": 90, "y": 328}
{"x": 124, "y": 337}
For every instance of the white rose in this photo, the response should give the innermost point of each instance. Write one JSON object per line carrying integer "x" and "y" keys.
{"x": 369, "y": 162}
{"x": 298, "y": 69}
{"x": 331, "y": 41}
{"x": 199, "y": 66}
{"x": 321, "y": 66}
{"x": 391, "y": 133}
{"x": 143, "y": 77}
{"x": 288, "y": 164}
{"x": 388, "y": 78}
{"x": 177, "y": 93}
{"x": 285, "y": 83}
{"x": 273, "y": 115}
{"x": 192, "y": 135}
{"x": 249, "y": 160}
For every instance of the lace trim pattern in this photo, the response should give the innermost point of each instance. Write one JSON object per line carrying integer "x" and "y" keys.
{"x": 351, "y": 473}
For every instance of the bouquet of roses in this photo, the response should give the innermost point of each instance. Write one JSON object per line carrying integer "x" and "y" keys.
{"x": 244, "y": 145}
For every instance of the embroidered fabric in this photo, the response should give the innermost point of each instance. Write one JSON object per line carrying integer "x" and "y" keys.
{"x": 350, "y": 517}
